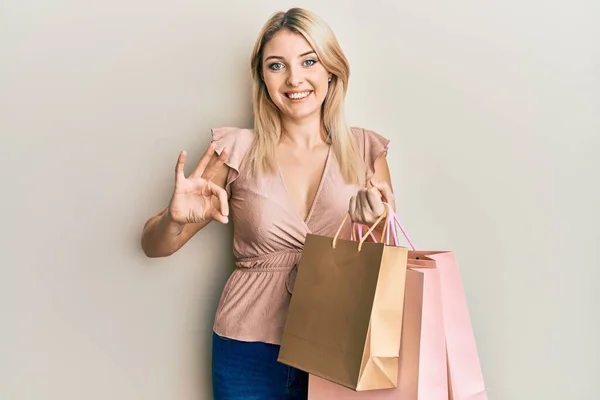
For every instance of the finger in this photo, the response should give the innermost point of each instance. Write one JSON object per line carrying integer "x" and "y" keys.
{"x": 375, "y": 201}
{"x": 179, "y": 174}
{"x": 352, "y": 206}
{"x": 355, "y": 210}
{"x": 362, "y": 206}
{"x": 384, "y": 188}
{"x": 205, "y": 159}
{"x": 215, "y": 166}
{"x": 351, "y": 213}
{"x": 222, "y": 213}
{"x": 217, "y": 216}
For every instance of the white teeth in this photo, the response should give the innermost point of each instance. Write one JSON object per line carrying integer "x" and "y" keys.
{"x": 297, "y": 96}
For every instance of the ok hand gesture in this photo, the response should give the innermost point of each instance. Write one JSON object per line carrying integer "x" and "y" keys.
{"x": 197, "y": 198}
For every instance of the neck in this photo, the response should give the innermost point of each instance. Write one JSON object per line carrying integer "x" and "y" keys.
{"x": 306, "y": 133}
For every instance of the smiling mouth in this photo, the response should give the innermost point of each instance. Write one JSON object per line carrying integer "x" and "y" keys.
{"x": 298, "y": 95}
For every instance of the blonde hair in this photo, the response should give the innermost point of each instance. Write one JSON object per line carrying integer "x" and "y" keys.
{"x": 267, "y": 121}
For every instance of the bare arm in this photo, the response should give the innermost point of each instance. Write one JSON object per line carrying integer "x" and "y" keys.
{"x": 164, "y": 234}
{"x": 383, "y": 182}
{"x": 382, "y": 176}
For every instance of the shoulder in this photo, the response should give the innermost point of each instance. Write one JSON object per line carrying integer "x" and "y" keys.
{"x": 231, "y": 135}
{"x": 236, "y": 141}
{"x": 371, "y": 145}
{"x": 370, "y": 140}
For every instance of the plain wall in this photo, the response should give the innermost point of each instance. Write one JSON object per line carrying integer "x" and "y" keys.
{"x": 493, "y": 112}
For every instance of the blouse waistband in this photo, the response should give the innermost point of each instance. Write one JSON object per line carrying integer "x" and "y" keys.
{"x": 282, "y": 261}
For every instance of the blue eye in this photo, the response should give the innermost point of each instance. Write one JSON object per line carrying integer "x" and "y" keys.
{"x": 276, "y": 66}
{"x": 310, "y": 63}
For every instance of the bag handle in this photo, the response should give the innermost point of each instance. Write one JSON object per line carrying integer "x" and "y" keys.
{"x": 359, "y": 228}
{"x": 390, "y": 229}
{"x": 392, "y": 223}
{"x": 367, "y": 234}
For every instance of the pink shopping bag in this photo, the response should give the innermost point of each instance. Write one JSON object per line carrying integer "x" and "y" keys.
{"x": 465, "y": 377}
{"x": 464, "y": 369}
{"x": 425, "y": 372}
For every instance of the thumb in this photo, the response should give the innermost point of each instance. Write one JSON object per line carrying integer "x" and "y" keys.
{"x": 384, "y": 188}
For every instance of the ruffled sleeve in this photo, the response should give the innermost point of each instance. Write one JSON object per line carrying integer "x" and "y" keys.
{"x": 237, "y": 142}
{"x": 373, "y": 145}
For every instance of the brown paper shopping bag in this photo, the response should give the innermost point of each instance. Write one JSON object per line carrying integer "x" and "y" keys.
{"x": 422, "y": 373}
{"x": 345, "y": 316}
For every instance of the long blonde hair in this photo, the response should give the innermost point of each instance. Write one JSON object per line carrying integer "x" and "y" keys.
{"x": 267, "y": 121}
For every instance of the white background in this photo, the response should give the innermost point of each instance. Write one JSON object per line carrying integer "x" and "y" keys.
{"x": 493, "y": 113}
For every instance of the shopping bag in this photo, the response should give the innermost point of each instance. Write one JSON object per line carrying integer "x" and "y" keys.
{"x": 345, "y": 316}
{"x": 464, "y": 369}
{"x": 460, "y": 378}
{"x": 422, "y": 373}
{"x": 465, "y": 377}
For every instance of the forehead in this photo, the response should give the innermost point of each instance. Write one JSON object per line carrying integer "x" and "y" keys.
{"x": 286, "y": 44}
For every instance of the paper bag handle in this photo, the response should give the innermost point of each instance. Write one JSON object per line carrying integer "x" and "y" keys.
{"x": 391, "y": 224}
{"x": 360, "y": 232}
{"x": 368, "y": 233}
{"x": 390, "y": 228}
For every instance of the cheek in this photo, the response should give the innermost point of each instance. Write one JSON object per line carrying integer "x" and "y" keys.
{"x": 272, "y": 84}
{"x": 322, "y": 87}
{"x": 320, "y": 82}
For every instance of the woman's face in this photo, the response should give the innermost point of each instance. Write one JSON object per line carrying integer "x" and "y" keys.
{"x": 295, "y": 79}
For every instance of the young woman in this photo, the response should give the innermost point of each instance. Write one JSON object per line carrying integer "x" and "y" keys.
{"x": 300, "y": 169}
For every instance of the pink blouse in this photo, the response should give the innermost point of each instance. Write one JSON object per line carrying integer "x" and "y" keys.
{"x": 269, "y": 234}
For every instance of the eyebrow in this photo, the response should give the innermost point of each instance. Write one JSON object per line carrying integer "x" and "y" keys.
{"x": 281, "y": 58}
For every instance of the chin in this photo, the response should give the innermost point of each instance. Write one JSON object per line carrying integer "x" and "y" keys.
{"x": 301, "y": 114}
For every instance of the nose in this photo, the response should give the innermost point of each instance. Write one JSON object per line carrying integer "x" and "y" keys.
{"x": 294, "y": 77}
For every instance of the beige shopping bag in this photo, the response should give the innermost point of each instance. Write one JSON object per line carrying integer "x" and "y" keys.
{"x": 345, "y": 317}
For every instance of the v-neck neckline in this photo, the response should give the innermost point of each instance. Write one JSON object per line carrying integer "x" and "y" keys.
{"x": 317, "y": 192}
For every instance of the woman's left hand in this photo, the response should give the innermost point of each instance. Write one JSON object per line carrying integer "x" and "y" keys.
{"x": 367, "y": 206}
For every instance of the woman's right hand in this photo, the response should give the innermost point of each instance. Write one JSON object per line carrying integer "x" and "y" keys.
{"x": 196, "y": 198}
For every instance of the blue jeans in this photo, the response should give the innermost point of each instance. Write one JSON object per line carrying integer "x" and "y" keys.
{"x": 250, "y": 371}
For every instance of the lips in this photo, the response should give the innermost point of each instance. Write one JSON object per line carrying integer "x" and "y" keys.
{"x": 298, "y": 95}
